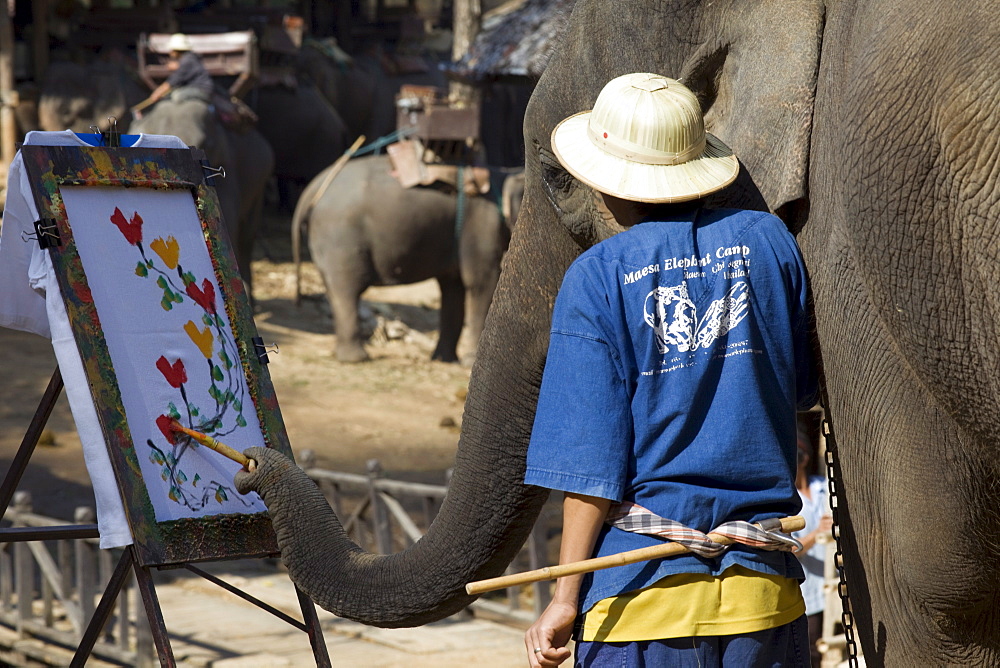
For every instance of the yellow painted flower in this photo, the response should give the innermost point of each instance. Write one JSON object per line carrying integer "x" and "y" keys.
{"x": 169, "y": 250}
{"x": 202, "y": 338}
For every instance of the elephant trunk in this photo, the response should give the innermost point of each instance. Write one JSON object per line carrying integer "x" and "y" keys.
{"x": 488, "y": 512}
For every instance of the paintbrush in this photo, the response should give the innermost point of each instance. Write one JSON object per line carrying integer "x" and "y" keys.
{"x": 218, "y": 446}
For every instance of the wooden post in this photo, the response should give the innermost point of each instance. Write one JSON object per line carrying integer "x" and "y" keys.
{"x": 40, "y": 38}
{"x": 380, "y": 518}
{"x": 468, "y": 17}
{"x": 8, "y": 97}
{"x": 24, "y": 571}
{"x": 86, "y": 565}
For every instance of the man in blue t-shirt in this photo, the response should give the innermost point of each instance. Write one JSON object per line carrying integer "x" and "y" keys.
{"x": 679, "y": 354}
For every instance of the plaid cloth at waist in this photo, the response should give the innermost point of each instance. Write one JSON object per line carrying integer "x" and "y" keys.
{"x": 633, "y": 517}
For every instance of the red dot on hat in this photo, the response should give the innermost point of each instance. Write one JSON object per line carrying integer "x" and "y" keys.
{"x": 605, "y": 135}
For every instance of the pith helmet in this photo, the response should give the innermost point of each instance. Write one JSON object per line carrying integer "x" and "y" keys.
{"x": 179, "y": 42}
{"x": 645, "y": 141}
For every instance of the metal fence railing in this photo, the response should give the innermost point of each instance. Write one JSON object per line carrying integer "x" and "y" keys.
{"x": 49, "y": 590}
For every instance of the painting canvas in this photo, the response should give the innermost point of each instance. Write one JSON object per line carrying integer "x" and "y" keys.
{"x": 164, "y": 327}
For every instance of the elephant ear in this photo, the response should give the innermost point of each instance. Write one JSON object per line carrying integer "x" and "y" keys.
{"x": 756, "y": 79}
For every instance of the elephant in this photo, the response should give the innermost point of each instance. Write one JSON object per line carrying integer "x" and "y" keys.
{"x": 77, "y": 97}
{"x": 305, "y": 132}
{"x": 346, "y": 86}
{"x": 871, "y": 129}
{"x": 244, "y": 154}
{"x": 365, "y": 229}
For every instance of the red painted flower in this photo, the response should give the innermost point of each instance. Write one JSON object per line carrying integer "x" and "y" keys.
{"x": 131, "y": 229}
{"x": 164, "y": 422}
{"x": 205, "y": 296}
{"x": 175, "y": 373}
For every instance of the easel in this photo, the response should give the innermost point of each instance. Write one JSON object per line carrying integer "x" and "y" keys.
{"x": 139, "y": 557}
{"x": 128, "y": 562}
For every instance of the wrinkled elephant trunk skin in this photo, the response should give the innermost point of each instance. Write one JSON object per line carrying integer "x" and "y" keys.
{"x": 488, "y": 512}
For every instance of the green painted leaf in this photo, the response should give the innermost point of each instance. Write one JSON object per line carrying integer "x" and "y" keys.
{"x": 188, "y": 278}
{"x": 181, "y": 476}
{"x": 241, "y": 421}
{"x": 220, "y": 495}
{"x": 165, "y": 473}
{"x": 162, "y": 282}
{"x": 229, "y": 396}
{"x": 165, "y": 303}
{"x": 140, "y": 270}
{"x": 205, "y": 318}
{"x": 197, "y": 478}
{"x": 171, "y": 460}
{"x": 149, "y": 263}
{"x": 213, "y": 392}
{"x": 174, "y": 493}
{"x": 172, "y": 411}
{"x": 193, "y": 410}
{"x": 217, "y": 373}
{"x": 218, "y": 320}
{"x": 237, "y": 404}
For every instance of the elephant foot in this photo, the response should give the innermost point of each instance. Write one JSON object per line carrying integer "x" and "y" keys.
{"x": 352, "y": 354}
{"x": 441, "y": 355}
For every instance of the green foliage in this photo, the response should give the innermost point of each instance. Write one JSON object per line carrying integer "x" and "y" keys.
{"x": 217, "y": 374}
{"x": 140, "y": 270}
{"x": 241, "y": 421}
{"x": 172, "y": 411}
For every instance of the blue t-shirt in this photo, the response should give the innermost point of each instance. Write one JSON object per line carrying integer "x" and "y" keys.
{"x": 678, "y": 356}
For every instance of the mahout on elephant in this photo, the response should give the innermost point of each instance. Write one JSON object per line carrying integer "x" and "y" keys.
{"x": 365, "y": 228}
{"x": 871, "y": 128}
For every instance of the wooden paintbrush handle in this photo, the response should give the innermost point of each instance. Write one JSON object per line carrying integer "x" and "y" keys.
{"x": 788, "y": 525}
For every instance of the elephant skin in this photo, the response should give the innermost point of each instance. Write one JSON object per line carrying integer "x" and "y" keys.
{"x": 872, "y": 129}
{"x": 365, "y": 229}
{"x": 245, "y": 155}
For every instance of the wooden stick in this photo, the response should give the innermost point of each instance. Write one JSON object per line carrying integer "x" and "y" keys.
{"x": 218, "y": 446}
{"x": 788, "y": 525}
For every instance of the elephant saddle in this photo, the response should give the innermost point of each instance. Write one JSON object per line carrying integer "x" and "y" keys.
{"x": 410, "y": 169}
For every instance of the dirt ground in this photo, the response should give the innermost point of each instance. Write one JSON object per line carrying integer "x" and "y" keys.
{"x": 400, "y": 408}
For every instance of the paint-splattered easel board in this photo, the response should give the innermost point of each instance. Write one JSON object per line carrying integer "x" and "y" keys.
{"x": 165, "y": 329}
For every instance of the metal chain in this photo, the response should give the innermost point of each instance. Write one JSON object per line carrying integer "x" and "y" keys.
{"x": 832, "y": 463}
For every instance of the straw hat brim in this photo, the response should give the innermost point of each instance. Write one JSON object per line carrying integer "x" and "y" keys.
{"x": 713, "y": 170}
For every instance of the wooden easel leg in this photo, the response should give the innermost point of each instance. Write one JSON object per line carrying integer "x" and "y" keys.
{"x": 103, "y": 611}
{"x": 315, "y": 633}
{"x": 156, "y": 624}
{"x": 30, "y": 440}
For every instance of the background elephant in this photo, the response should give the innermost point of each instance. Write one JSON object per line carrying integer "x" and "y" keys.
{"x": 366, "y": 229}
{"x": 244, "y": 153}
{"x": 75, "y": 96}
{"x": 305, "y": 132}
{"x": 872, "y": 129}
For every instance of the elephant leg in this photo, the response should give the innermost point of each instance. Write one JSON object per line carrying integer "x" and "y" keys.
{"x": 452, "y": 318}
{"x": 478, "y": 296}
{"x": 344, "y": 302}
